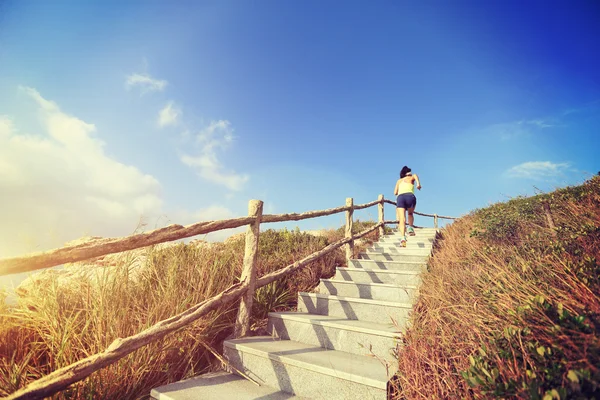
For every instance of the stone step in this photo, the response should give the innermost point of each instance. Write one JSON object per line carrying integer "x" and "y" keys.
{"x": 393, "y": 247}
{"x": 428, "y": 231}
{"x": 308, "y": 371}
{"x": 399, "y": 250}
{"x": 421, "y": 236}
{"x": 388, "y": 265}
{"x": 379, "y": 311}
{"x": 409, "y": 240}
{"x": 364, "y": 275}
{"x": 218, "y": 386}
{"x": 371, "y": 290}
{"x": 382, "y": 256}
{"x": 351, "y": 336}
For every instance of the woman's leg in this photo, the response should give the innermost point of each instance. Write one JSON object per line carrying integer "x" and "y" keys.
{"x": 411, "y": 217}
{"x": 402, "y": 221}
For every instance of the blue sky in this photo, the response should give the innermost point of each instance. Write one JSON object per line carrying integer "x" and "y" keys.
{"x": 183, "y": 111}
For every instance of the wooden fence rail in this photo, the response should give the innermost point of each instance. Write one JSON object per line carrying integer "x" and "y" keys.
{"x": 102, "y": 247}
{"x": 435, "y": 216}
{"x": 63, "y": 377}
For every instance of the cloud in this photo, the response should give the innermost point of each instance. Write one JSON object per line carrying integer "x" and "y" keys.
{"x": 145, "y": 82}
{"x": 517, "y": 129}
{"x": 59, "y": 184}
{"x": 169, "y": 115}
{"x": 218, "y": 135}
{"x": 538, "y": 170}
{"x": 540, "y": 123}
{"x": 589, "y": 108}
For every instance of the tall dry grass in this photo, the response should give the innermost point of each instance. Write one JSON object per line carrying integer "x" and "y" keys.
{"x": 510, "y": 306}
{"x": 56, "y": 326}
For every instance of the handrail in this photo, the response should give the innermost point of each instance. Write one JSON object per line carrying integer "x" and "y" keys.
{"x": 170, "y": 233}
{"x": 119, "y": 348}
{"x": 106, "y": 246}
{"x": 422, "y": 214}
{"x": 62, "y": 378}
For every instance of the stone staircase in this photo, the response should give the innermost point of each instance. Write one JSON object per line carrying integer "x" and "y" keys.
{"x": 339, "y": 344}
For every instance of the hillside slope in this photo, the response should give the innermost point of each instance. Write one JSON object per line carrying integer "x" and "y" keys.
{"x": 510, "y": 306}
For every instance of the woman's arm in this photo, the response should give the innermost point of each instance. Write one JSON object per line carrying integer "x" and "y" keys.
{"x": 418, "y": 182}
{"x": 396, "y": 188}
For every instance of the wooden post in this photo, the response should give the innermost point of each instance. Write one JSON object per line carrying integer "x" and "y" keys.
{"x": 435, "y": 221}
{"x": 380, "y": 207}
{"x": 349, "y": 213}
{"x": 242, "y": 325}
{"x": 549, "y": 219}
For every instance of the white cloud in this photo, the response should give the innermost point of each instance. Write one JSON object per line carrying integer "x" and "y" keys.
{"x": 540, "y": 123}
{"x": 538, "y": 170}
{"x": 517, "y": 129}
{"x": 145, "y": 82}
{"x": 169, "y": 115}
{"x": 59, "y": 184}
{"x": 218, "y": 135}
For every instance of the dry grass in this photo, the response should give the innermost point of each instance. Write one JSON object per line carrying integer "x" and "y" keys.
{"x": 510, "y": 307}
{"x": 57, "y": 326}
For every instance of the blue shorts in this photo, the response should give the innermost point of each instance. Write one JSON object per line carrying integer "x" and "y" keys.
{"x": 406, "y": 200}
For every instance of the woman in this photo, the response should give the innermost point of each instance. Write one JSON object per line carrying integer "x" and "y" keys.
{"x": 406, "y": 200}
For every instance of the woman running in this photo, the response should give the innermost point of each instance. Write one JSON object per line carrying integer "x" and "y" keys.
{"x": 406, "y": 200}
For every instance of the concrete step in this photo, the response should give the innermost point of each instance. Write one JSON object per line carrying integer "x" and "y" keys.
{"x": 412, "y": 247}
{"x": 409, "y": 239}
{"x": 421, "y": 236}
{"x": 308, "y": 371}
{"x": 351, "y": 336}
{"x": 389, "y": 265}
{"x": 410, "y": 243}
{"x": 420, "y": 242}
{"x": 407, "y": 255}
{"x": 364, "y": 275}
{"x": 218, "y": 386}
{"x": 371, "y": 290}
{"x": 419, "y": 230}
{"x": 399, "y": 250}
{"x": 378, "y": 311}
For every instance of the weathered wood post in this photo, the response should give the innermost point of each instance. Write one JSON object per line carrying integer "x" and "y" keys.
{"x": 242, "y": 325}
{"x": 549, "y": 219}
{"x": 435, "y": 221}
{"x": 349, "y": 213}
{"x": 380, "y": 207}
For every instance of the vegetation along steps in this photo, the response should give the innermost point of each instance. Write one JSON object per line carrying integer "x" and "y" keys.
{"x": 340, "y": 344}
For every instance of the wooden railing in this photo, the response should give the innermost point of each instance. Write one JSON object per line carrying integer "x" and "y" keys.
{"x": 434, "y": 216}
{"x": 63, "y": 377}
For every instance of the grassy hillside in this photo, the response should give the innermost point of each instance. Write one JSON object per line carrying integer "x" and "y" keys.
{"x": 55, "y": 326}
{"x": 510, "y": 307}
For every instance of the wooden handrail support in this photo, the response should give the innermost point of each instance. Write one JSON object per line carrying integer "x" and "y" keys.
{"x": 349, "y": 222}
{"x": 380, "y": 215}
{"x": 242, "y": 325}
